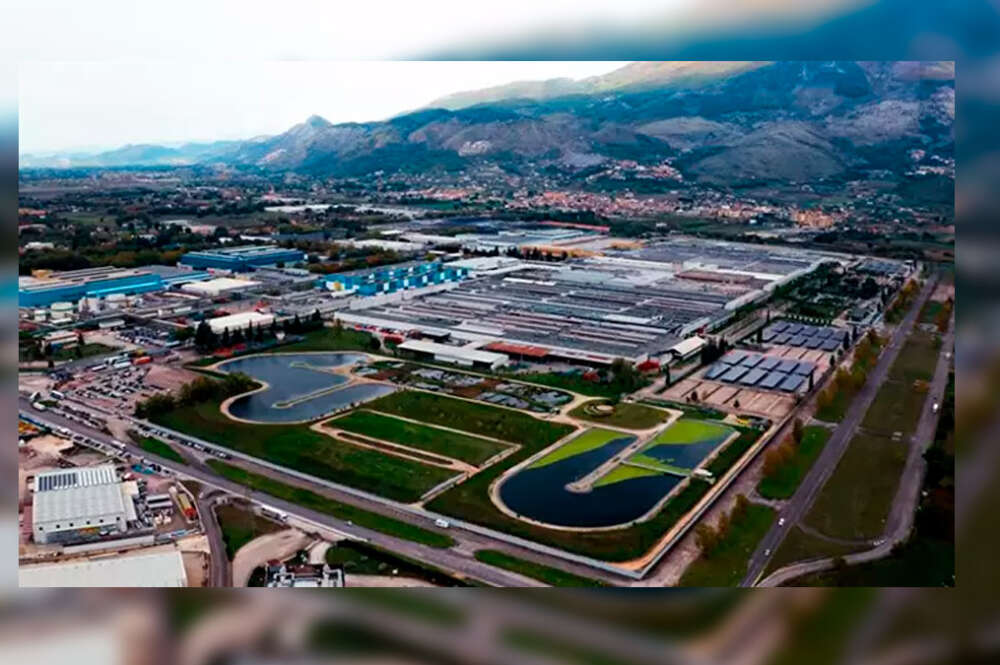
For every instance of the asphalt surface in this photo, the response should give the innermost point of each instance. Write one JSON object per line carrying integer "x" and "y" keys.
{"x": 220, "y": 572}
{"x": 457, "y": 560}
{"x": 823, "y": 468}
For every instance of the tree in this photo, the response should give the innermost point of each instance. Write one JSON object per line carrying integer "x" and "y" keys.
{"x": 741, "y": 507}
{"x": 706, "y": 538}
{"x": 226, "y": 339}
{"x": 798, "y": 430}
{"x": 316, "y": 319}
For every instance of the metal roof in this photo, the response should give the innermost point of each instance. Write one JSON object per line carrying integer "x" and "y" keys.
{"x": 717, "y": 370}
{"x": 769, "y": 362}
{"x": 453, "y": 351}
{"x": 77, "y": 504}
{"x": 787, "y": 365}
{"x": 751, "y": 360}
{"x": 778, "y": 326}
{"x": 752, "y": 377}
{"x": 830, "y": 344}
{"x": 733, "y": 357}
{"x": 804, "y": 367}
{"x": 158, "y": 569}
{"x": 60, "y": 479}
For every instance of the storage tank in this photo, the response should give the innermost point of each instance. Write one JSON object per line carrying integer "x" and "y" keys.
{"x": 61, "y": 309}
{"x": 115, "y": 300}
{"x": 41, "y": 314}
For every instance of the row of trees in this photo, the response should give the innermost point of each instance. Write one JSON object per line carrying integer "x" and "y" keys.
{"x": 207, "y": 340}
{"x": 202, "y": 389}
{"x": 708, "y": 537}
{"x": 778, "y": 456}
{"x": 850, "y": 381}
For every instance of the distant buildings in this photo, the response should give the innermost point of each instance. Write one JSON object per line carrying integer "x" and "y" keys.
{"x": 241, "y": 321}
{"x": 241, "y": 259}
{"x": 45, "y": 288}
{"x": 458, "y": 355}
{"x": 390, "y": 279}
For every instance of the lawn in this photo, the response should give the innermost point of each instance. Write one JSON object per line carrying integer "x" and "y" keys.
{"x": 626, "y": 415}
{"x": 801, "y": 546}
{"x": 855, "y": 501}
{"x": 726, "y": 564}
{"x": 687, "y": 430}
{"x": 694, "y": 411}
{"x": 784, "y": 481}
{"x": 85, "y": 351}
{"x": 624, "y": 472}
{"x": 333, "y": 339}
{"x": 323, "y": 504}
{"x": 157, "y": 447}
{"x": 646, "y": 460}
{"x": 239, "y": 525}
{"x": 573, "y": 382}
{"x": 472, "y": 449}
{"x": 547, "y": 574}
{"x": 298, "y": 447}
{"x": 733, "y": 450}
{"x": 472, "y": 417}
{"x": 357, "y": 558}
{"x": 590, "y": 439}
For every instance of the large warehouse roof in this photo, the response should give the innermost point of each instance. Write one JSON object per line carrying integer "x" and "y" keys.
{"x": 240, "y": 321}
{"x": 160, "y": 569}
{"x": 77, "y": 504}
{"x": 56, "y": 479}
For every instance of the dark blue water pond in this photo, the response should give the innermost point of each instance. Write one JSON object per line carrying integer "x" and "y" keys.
{"x": 291, "y": 379}
{"x": 540, "y": 493}
{"x": 684, "y": 455}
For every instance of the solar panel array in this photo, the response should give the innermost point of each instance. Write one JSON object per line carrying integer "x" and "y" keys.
{"x": 789, "y": 333}
{"x": 749, "y": 369}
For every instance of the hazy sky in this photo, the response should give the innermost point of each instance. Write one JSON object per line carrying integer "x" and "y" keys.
{"x": 72, "y": 105}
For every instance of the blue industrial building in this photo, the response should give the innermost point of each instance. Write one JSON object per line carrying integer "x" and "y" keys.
{"x": 99, "y": 283}
{"x": 390, "y": 279}
{"x": 242, "y": 259}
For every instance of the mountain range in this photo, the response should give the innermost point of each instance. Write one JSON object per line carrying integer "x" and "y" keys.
{"x": 718, "y": 123}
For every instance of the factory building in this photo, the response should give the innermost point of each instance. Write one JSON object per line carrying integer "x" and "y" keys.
{"x": 45, "y": 288}
{"x": 241, "y": 259}
{"x": 241, "y": 321}
{"x": 458, "y": 355}
{"x": 76, "y": 505}
{"x": 391, "y": 279}
{"x": 213, "y": 288}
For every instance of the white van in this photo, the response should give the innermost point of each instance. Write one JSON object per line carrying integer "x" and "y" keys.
{"x": 444, "y": 524}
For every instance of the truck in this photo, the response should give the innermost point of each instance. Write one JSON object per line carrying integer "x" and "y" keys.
{"x": 186, "y": 507}
{"x": 143, "y": 360}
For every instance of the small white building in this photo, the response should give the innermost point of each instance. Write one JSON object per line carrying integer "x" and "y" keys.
{"x": 457, "y": 355}
{"x": 212, "y": 288}
{"x": 687, "y": 348}
{"x": 241, "y": 321}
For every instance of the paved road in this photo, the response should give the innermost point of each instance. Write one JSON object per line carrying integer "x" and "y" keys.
{"x": 220, "y": 571}
{"x": 457, "y": 559}
{"x": 823, "y": 468}
{"x": 902, "y": 513}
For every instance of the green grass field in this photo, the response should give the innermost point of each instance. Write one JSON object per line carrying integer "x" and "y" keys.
{"x": 472, "y": 449}
{"x": 855, "y": 500}
{"x": 624, "y": 472}
{"x": 801, "y": 546}
{"x": 783, "y": 483}
{"x": 160, "y": 448}
{"x": 239, "y": 525}
{"x": 573, "y": 382}
{"x": 588, "y": 440}
{"x": 330, "y": 339}
{"x": 547, "y": 574}
{"x": 318, "y": 502}
{"x": 472, "y": 417}
{"x": 626, "y": 415}
{"x": 297, "y": 447}
{"x": 688, "y": 430}
{"x": 726, "y": 564}
{"x": 733, "y": 450}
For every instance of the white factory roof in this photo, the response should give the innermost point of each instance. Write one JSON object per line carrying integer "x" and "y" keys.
{"x": 689, "y": 345}
{"x": 159, "y": 569}
{"x": 218, "y": 285}
{"x": 239, "y": 321}
{"x": 475, "y": 355}
{"x": 77, "y": 504}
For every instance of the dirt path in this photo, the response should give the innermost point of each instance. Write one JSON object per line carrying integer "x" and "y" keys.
{"x": 351, "y": 580}
{"x": 259, "y": 551}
